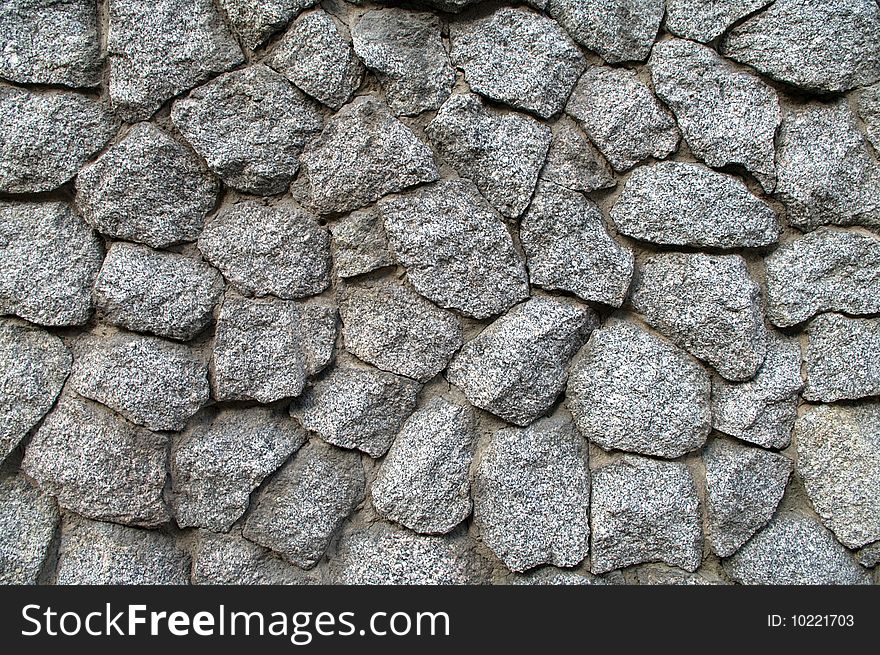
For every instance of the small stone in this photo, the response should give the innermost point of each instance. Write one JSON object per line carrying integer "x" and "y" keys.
{"x": 869, "y": 556}
{"x": 634, "y": 391}
{"x": 532, "y": 496}
{"x": 49, "y": 259}
{"x": 869, "y": 112}
{"x": 256, "y": 20}
{"x": 622, "y": 117}
{"x": 99, "y": 465}
{"x": 843, "y": 358}
{"x": 457, "y": 252}
{"x": 743, "y": 488}
{"x": 360, "y": 244}
{"x": 28, "y": 524}
{"x": 681, "y": 204}
{"x": 568, "y": 247}
{"x": 707, "y": 304}
{"x": 229, "y": 559}
{"x": 660, "y": 574}
{"x": 517, "y": 367}
{"x": 501, "y": 152}
{"x": 644, "y": 510}
{"x": 551, "y": 576}
{"x": 574, "y": 162}
{"x": 704, "y": 20}
{"x": 363, "y": 154}
{"x": 147, "y": 188}
{"x": 47, "y": 137}
{"x": 299, "y": 510}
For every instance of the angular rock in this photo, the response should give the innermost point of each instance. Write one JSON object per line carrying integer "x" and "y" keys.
{"x": 256, "y": 20}
{"x": 517, "y": 366}
{"x": 359, "y": 244}
{"x": 843, "y": 358}
{"x": 229, "y": 559}
{"x": 631, "y": 390}
{"x": 703, "y": 20}
{"x": 549, "y": 575}
{"x": 573, "y": 162}
{"x": 869, "y": 112}
{"x": 660, "y": 574}
{"x": 869, "y": 556}
{"x": 28, "y": 524}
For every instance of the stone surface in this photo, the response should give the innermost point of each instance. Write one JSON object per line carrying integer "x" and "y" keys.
{"x": 147, "y": 188}
{"x": 631, "y": 390}
{"x": 229, "y": 559}
{"x": 518, "y": 57}
{"x": 501, "y": 152}
{"x": 622, "y": 117}
{"x": 708, "y": 305}
{"x": 703, "y": 20}
{"x": 256, "y": 20}
{"x": 869, "y": 112}
{"x": 843, "y": 358}
{"x": 549, "y": 575}
{"x": 660, "y": 574}
{"x": 532, "y": 495}
{"x": 360, "y": 244}
{"x": 517, "y": 366}
{"x": 574, "y": 162}
{"x": 28, "y": 524}
{"x": 457, "y": 252}
{"x": 683, "y": 204}
{"x": 869, "y": 556}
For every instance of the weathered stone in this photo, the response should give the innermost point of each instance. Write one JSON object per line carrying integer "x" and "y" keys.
{"x": 551, "y": 576}
{"x": 869, "y": 112}
{"x": 256, "y": 20}
{"x": 660, "y": 574}
{"x": 28, "y": 523}
{"x": 631, "y": 390}
{"x": 574, "y": 162}
{"x": 869, "y": 556}
{"x": 517, "y": 366}
{"x": 229, "y": 559}
{"x": 703, "y": 20}
{"x": 843, "y": 358}
{"x": 359, "y": 244}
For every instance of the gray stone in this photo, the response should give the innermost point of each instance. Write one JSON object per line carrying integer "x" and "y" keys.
{"x": 299, "y": 510}
{"x": 726, "y": 116}
{"x": 35, "y": 366}
{"x": 574, "y": 162}
{"x": 843, "y": 358}
{"x": 423, "y": 482}
{"x": 631, "y": 390}
{"x": 622, "y": 117}
{"x": 818, "y": 45}
{"x": 395, "y": 329}
{"x": 360, "y": 408}
{"x": 516, "y": 367}
{"x": 28, "y": 524}
{"x": 550, "y": 576}
{"x": 644, "y": 510}
{"x": 404, "y": 49}
{"x": 743, "y": 488}
{"x": 569, "y": 249}
{"x": 256, "y": 20}
{"x": 147, "y": 188}
{"x": 50, "y": 258}
{"x": 164, "y": 293}
{"x": 660, "y": 574}
{"x": 359, "y": 244}
{"x": 532, "y": 495}
{"x": 683, "y": 204}
{"x": 869, "y": 112}
{"x": 150, "y": 381}
{"x": 229, "y": 559}
{"x": 250, "y": 125}
{"x": 98, "y": 464}
{"x": 47, "y": 137}
{"x": 456, "y": 251}
{"x": 501, "y": 152}
{"x": 158, "y": 49}
{"x": 518, "y": 57}
{"x": 703, "y": 20}
{"x": 869, "y": 556}
{"x": 838, "y": 458}
{"x": 708, "y": 305}
{"x": 363, "y": 154}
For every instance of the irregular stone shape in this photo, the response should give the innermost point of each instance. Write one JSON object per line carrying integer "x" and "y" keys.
{"x": 360, "y": 244}
{"x": 50, "y": 42}
{"x": 147, "y": 188}
{"x": 708, "y": 305}
{"x": 95, "y": 553}
{"x": 161, "y": 48}
{"x": 250, "y": 125}
{"x": 726, "y": 116}
{"x": 644, "y": 510}
{"x": 826, "y": 270}
{"x": 549, "y": 575}
{"x": 622, "y": 117}
{"x": 532, "y": 495}
{"x": 501, "y": 152}
{"x": 318, "y": 59}
{"x": 299, "y": 510}
{"x": 703, "y": 20}
{"x": 743, "y": 487}
{"x": 518, "y": 57}
{"x": 869, "y": 112}
{"x": 98, "y": 464}
{"x": 456, "y": 251}
{"x": 794, "y": 550}
{"x": 150, "y": 381}
{"x": 843, "y": 358}
{"x": 164, "y": 293}
{"x": 256, "y": 20}
{"x": 573, "y": 162}
{"x": 218, "y": 461}
{"x": 839, "y": 462}
{"x": 423, "y": 482}
{"x": 762, "y": 410}
{"x": 660, "y": 574}
{"x": 49, "y": 259}
{"x": 360, "y": 408}
{"x": 35, "y": 366}
{"x": 869, "y": 556}
{"x": 631, "y": 390}
{"x": 826, "y": 172}
{"x": 47, "y": 137}
{"x": 800, "y": 42}
{"x": 680, "y": 204}
{"x": 363, "y": 154}
{"x": 393, "y": 328}
{"x": 229, "y": 559}
{"x": 516, "y": 367}
{"x": 28, "y": 523}
{"x": 568, "y": 247}
{"x": 404, "y": 49}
